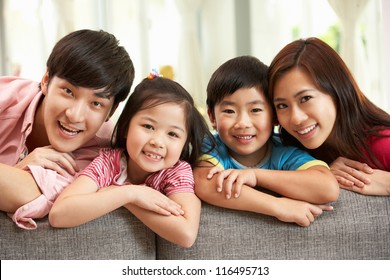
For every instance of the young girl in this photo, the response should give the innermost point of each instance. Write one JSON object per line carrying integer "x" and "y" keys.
{"x": 321, "y": 108}
{"x": 156, "y": 141}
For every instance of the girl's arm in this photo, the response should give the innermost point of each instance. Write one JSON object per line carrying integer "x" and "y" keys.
{"x": 250, "y": 199}
{"x": 182, "y": 229}
{"x": 81, "y": 202}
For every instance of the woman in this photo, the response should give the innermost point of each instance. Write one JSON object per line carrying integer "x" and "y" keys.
{"x": 320, "y": 108}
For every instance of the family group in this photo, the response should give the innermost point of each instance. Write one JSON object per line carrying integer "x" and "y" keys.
{"x": 62, "y": 156}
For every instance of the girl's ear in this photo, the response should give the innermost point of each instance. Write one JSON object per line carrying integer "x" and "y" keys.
{"x": 45, "y": 82}
{"x": 212, "y": 119}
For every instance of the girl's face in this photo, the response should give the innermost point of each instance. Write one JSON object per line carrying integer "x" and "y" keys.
{"x": 155, "y": 140}
{"x": 70, "y": 116}
{"x": 244, "y": 123}
{"x": 303, "y": 110}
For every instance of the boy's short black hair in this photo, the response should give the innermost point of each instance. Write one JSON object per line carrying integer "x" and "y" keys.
{"x": 93, "y": 59}
{"x": 234, "y": 74}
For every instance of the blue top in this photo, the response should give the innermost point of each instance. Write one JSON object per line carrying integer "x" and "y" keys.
{"x": 278, "y": 157}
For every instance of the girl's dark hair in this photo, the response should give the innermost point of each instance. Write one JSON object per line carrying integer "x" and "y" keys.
{"x": 234, "y": 74}
{"x": 157, "y": 91}
{"x": 93, "y": 59}
{"x": 357, "y": 117}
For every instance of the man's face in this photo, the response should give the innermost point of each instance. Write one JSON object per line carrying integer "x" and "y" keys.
{"x": 72, "y": 115}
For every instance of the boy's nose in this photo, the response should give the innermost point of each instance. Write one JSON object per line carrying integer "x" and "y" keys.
{"x": 243, "y": 121}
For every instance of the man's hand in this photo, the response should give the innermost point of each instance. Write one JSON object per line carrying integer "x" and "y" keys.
{"x": 49, "y": 158}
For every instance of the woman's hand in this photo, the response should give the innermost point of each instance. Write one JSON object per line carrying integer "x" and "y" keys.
{"x": 351, "y": 173}
{"x": 49, "y": 158}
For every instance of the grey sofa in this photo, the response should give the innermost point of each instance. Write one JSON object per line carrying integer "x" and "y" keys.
{"x": 357, "y": 228}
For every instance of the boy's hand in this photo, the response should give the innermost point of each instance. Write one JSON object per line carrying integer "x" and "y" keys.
{"x": 49, "y": 158}
{"x": 350, "y": 173}
{"x": 232, "y": 180}
{"x": 299, "y": 212}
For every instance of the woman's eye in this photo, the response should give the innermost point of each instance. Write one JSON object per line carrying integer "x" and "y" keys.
{"x": 305, "y": 99}
{"x": 280, "y": 106}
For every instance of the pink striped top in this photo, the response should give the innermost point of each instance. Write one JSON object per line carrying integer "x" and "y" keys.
{"x": 110, "y": 168}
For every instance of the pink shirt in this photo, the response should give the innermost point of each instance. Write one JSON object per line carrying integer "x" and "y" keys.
{"x": 19, "y": 99}
{"x": 110, "y": 168}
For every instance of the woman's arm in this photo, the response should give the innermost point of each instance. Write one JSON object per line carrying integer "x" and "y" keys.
{"x": 250, "y": 199}
{"x": 182, "y": 229}
{"x": 81, "y": 202}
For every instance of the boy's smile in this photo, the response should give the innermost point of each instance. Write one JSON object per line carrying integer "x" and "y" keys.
{"x": 244, "y": 123}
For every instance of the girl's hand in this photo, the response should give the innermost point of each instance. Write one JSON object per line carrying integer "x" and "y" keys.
{"x": 213, "y": 171}
{"x": 232, "y": 180}
{"x": 299, "y": 212}
{"x": 49, "y": 158}
{"x": 150, "y": 199}
{"x": 351, "y": 173}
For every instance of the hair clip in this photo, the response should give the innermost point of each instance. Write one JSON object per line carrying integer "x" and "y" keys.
{"x": 153, "y": 74}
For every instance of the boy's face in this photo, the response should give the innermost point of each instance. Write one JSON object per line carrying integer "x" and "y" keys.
{"x": 244, "y": 123}
{"x": 70, "y": 115}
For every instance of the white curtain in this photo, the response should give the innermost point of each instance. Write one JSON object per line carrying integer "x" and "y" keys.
{"x": 351, "y": 45}
{"x": 189, "y": 72}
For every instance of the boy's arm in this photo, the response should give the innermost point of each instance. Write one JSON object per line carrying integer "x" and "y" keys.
{"x": 250, "y": 199}
{"x": 181, "y": 229}
{"x": 315, "y": 185}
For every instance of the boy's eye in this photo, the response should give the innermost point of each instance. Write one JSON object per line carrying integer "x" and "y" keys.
{"x": 228, "y": 111}
{"x": 256, "y": 110}
{"x": 97, "y": 104}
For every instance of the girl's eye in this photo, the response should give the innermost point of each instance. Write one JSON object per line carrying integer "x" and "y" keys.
{"x": 147, "y": 126}
{"x": 173, "y": 134}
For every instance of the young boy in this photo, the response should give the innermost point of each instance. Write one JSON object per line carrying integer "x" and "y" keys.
{"x": 53, "y": 129}
{"x": 248, "y": 155}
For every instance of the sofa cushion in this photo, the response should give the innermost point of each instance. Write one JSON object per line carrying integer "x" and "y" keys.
{"x": 117, "y": 235}
{"x": 357, "y": 228}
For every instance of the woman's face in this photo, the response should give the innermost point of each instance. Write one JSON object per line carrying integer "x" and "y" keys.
{"x": 303, "y": 110}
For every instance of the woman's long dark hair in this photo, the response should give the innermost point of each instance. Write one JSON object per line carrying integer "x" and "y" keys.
{"x": 357, "y": 117}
